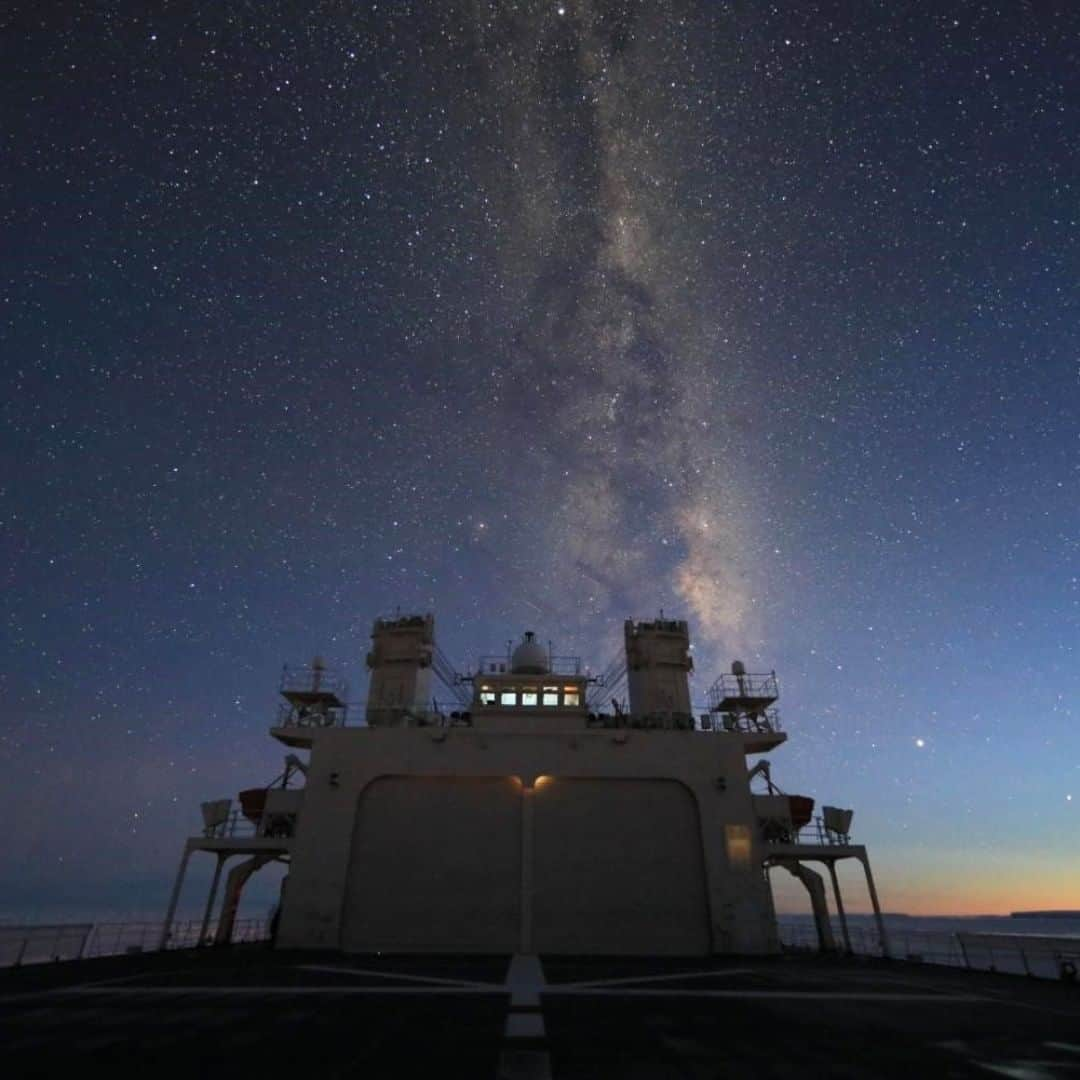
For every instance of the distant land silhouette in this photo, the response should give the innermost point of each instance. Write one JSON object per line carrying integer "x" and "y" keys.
{"x": 1064, "y": 913}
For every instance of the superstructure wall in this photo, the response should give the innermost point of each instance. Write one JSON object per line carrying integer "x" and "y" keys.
{"x": 617, "y": 842}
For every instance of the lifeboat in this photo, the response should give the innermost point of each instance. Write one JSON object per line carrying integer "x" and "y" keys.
{"x": 801, "y": 808}
{"x": 253, "y": 802}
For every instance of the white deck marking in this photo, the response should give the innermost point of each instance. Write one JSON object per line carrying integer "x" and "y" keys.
{"x": 254, "y": 991}
{"x": 1019, "y": 1068}
{"x": 1017, "y": 1071}
{"x": 524, "y": 1054}
{"x": 658, "y": 978}
{"x": 395, "y": 975}
{"x": 525, "y": 980}
{"x": 797, "y": 995}
{"x": 1069, "y": 1048}
{"x": 492, "y": 988}
{"x": 524, "y": 1026}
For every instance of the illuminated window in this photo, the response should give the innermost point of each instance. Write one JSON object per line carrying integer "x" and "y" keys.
{"x": 508, "y": 697}
{"x": 551, "y": 695}
{"x": 529, "y": 696}
{"x": 487, "y": 695}
{"x": 571, "y": 696}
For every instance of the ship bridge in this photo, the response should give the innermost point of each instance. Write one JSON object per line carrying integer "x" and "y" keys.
{"x": 544, "y": 810}
{"x": 529, "y": 687}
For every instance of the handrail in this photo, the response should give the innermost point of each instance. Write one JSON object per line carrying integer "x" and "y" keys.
{"x": 764, "y": 723}
{"x": 752, "y": 686}
{"x": 49, "y": 943}
{"x": 313, "y": 680}
{"x": 446, "y": 673}
{"x": 500, "y": 665}
{"x": 293, "y": 716}
{"x": 271, "y": 825}
{"x": 1033, "y": 955}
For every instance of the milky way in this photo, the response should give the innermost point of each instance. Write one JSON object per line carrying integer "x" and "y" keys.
{"x": 612, "y": 381}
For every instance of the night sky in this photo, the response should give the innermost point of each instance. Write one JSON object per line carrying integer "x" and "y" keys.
{"x": 540, "y": 316}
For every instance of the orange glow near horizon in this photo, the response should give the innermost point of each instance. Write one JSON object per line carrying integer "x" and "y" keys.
{"x": 970, "y": 885}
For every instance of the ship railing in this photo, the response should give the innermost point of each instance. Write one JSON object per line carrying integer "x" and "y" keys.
{"x": 238, "y": 826}
{"x": 500, "y": 665}
{"x": 814, "y": 832}
{"x": 235, "y": 825}
{"x": 779, "y": 831}
{"x": 764, "y": 723}
{"x": 307, "y": 716}
{"x": 1041, "y": 956}
{"x": 50, "y": 943}
{"x": 751, "y": 686}
{"x": 307, "y": 680}
{"x": 441, "y": 715}
{"x": 658, "y": 721}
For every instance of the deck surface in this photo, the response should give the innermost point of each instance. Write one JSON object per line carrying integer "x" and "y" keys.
{"x": 252, "y": 1012}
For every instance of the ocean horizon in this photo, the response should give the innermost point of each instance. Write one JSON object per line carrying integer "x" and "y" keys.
{"x": 1055, "y": 925}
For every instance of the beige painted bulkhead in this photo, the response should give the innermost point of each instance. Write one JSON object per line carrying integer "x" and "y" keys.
{"x": 609, "y": 841}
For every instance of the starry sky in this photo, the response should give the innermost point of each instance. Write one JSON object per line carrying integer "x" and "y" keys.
{"x": 541, "y": 315}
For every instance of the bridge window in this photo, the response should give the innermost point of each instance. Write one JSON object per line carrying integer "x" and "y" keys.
{"x": 487, "y": 695}
{"x": 571, "y": 696}
{"x": 529, "y": 696}
{"x": 508, "y": 697}
{"x": 551, "y": 695}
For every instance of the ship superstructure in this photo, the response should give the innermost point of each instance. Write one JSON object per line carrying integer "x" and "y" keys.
{"x": 536, "y": 813}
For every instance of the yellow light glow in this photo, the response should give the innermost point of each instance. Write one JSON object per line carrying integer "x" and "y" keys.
{"x": 738, "y": 844}
{"x": 543, "y": 782}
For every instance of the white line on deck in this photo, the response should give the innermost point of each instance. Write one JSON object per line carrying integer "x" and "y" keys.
{"x": 242, "y": 991}
{"x": 656, "y": 978}
{"x": 493, "y": 989}
{"x": 429, "y": 979}
{"x": 1069, "y": 1048}
{"x": 798, "y": 995}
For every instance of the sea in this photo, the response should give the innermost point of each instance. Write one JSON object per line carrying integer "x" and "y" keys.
{"x": 1041, "y": 945}
{"x": 1065, "y": 925}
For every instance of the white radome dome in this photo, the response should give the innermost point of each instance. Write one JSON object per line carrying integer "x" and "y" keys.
{"x": 530, "y": 657}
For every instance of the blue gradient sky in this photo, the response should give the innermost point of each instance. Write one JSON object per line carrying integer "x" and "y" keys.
{"x": 539, "y": 320}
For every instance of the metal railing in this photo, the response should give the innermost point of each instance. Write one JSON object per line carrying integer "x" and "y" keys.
{"x": 812, "y": 833}
{"x": 1035, "y": 955}
{"x": 501, "y": 665}
{"x": 440, "y": 715}
{"x": 749, "y": 687}
{"x": 608, "y": 685}
{"x": 43, "y": 944}
{"x": 765, "y": 723}
{"x": 313, "y": 680}
{"x": 454, "y": 682}
{"x": 671, "y": 721}
{"x": 305, "y": 716}
{"x": 236, "y": 826}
